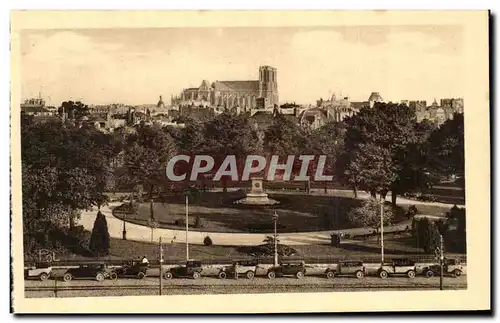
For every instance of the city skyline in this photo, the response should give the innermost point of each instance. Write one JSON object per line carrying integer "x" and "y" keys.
{"x": 136, "y": 66}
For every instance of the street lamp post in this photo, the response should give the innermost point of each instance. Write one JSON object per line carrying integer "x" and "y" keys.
{"x": 382, "y": 229}
{"x": 441, "y": 261}
{"x": 161, "y": 266}
{"x": 124, "y": 231}
{"x": 187, "y": 225}
{"x": 275, "y": 218}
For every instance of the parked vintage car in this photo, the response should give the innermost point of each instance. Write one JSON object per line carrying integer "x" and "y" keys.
{"x": 132, "y": 269}
{"x": 287, "y": 269}
{"x": 40, "y": 270}
{"x": 191, "y": 268}
{"x": 97, "y": 271}
{"x": 398, "y": 267}
{"x": 245, "y": 268}
{"x": 451, "y": 267}
{"x": 347, "y": 268}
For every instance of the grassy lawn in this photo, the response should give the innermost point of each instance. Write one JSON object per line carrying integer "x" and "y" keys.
{"x": 396, "y": 246}
{"x": 298, "y": 213}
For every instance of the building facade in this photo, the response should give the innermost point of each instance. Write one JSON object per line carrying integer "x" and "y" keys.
{"x": 228, "y": 95}
{"x": 438, "y": 113}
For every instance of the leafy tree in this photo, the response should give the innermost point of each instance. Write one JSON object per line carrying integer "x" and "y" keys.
{"x": 446, "y": 148}
{"x": 283, "y": 137}
{"x": 78, "y": 158}
{"x": 100, "y": 240}
{"x": 75, "y": 110}
{"x": 368, "y": 215}
{"x": 191, "y": 138}
{"x": 64, "y": 170}
{"x": 328, "y": 140}
{"x": 377, "y": 145}
{"x": 229, "y": 134}
{"x": 374, "y": 168}
{"x": 413, "y": 166}
{"x": 146, "y": 158}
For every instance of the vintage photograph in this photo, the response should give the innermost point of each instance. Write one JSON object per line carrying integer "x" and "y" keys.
{"x": 188, "y": 160}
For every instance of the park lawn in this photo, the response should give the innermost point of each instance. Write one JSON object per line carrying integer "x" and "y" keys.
{"x": 395, "y": 246}
{"x": 177, "y": 251}
{"x": 297, "y": 213}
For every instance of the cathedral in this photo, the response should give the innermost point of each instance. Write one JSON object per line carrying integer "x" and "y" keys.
{"x": 233, "y": 95}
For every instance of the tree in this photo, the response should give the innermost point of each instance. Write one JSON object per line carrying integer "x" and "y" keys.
{"x": 373, "y": 168}
{"x": 191, "y": 138}
{"x": 100, "y": 240}
{"x": 413, "y": 167}
{"x": 146, "y": 158}
{"x": 368, "y": 215}
{"x": 78, "y": 160}
{"x": 64, "y": 170}
{"x": 380, "y": 138}
{"x": 428, "y": 235}
{"x": 456, "y": 236}
{"x": 75, "y": 110}
{"x": 283, "y": 137}
{"x": 229, "y": 134}
{"x": 328, "y": 140}
{"x": 446, "y": 148}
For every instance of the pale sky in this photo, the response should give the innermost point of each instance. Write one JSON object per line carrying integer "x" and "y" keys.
{"x": 135, "y": 66}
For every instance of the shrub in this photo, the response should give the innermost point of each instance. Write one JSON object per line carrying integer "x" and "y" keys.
{"x": 199, "y": 223}
{"x": 99, "y": 241}
{"x": 180, "y": 222}
{"x": 412, "y": 211}
{"x": 207, "y": 241}
{"x": 426, "y": 233}
{"x": 368, "y": 215}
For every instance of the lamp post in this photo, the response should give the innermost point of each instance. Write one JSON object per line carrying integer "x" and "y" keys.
{"x": 441, "y": 261}
{"x": 275, "y": 219}
{"x": 124, "y": 231}
{"x": 382, "y": 229}
{"x": 186, "y": 193}
{"x": 161, "y": 266}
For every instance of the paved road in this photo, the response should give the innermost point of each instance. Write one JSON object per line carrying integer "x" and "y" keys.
{"x": 208, "y": 285}
{"x": 136, "y": 232}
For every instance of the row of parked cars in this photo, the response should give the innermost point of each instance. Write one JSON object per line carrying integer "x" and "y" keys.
{"x": 249, "y": 269}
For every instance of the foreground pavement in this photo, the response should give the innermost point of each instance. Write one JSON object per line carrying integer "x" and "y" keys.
{"x": 208, "y": 285}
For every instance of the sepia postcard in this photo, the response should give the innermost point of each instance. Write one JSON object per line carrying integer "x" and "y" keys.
{"x": 250, "y": 161}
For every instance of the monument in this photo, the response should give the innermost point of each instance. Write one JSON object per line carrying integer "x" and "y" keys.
{"x": 257, "y": 195}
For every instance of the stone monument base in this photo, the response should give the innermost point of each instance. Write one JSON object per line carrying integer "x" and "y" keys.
{"x": 257, "y": 196}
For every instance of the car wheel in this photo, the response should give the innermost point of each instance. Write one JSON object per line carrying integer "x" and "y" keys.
{"x": 410, "y": 274}
{"x": 429, "y": 274}
{"x": 359, "y": 274}
{"x": 67, "y": 277}
{"x": 44, "y": 276}
{"x": 141, "y": 275}
{"x": 330, "y": 274}
{"x": 113, "y": 276}
{"x": 299, "y": 275}
{"x": 99, "y": 277}
{"x": 167, "y": 275}
{"x": 457, "y": 273}
{"x": 250, "y": 274}
{"x": 383, "y": 274}
{"x": 196, "y": 275}
{"x": 271, "y": 275}
{"x": 222, "y": 275}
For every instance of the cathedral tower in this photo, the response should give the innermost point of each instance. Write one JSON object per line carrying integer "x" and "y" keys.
{"x": 268, "y": 84}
